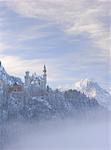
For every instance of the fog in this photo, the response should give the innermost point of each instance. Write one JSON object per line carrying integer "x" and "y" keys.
{"x": 58, "y": 135}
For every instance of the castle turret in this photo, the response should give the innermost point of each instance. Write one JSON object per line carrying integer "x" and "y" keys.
{"x": 27, "y": 78}
{"x": 45, "y": 77}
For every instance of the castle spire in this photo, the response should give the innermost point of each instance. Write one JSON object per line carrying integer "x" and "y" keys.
{"x": 44, "y": 70}
{"x": 45, "y": 77}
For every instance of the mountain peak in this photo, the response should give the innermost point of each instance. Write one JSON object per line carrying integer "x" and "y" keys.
{"x": 84, "y": 84}
{"x": 93, "y": 90}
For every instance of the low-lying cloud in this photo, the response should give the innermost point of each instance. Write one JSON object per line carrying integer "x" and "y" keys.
{"x": 59, "y": 135}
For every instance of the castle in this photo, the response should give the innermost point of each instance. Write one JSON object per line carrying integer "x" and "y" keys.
{"x": 33, "y": 84}
{"x": 37, "y": 85}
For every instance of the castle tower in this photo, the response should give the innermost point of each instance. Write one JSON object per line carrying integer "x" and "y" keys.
{"x": 0, "y": 63}
{"x": 27, "y": 78}
{"x": 45, "y": 77}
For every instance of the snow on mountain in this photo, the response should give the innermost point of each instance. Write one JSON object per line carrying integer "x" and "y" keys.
{"x": 4, "y": 76}
{"x": 52, "y": 104}
{"x": 93, "y": 90}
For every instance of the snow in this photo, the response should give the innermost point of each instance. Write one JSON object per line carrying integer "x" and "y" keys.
{"x": 93, "y": 90}
{"x": 21, "y": 106}
{"x": 49, "y": 103}
{"x": 7, "y": 79}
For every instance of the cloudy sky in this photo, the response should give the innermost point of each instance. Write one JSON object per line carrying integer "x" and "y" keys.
{"x": 70, "y": 36}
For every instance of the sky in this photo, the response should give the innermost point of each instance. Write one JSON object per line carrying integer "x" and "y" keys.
{"x": 70, "y": 37}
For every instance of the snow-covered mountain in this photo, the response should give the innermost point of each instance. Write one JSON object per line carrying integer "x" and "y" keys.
{"x": 93, "y": 90}
{"x": 52, "y": 104}
{"x": 4, "y": 76}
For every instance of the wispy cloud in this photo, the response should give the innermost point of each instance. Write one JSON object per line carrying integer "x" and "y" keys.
{"x": 77, "y": 17}
{"x": 34, "y": 32}
{"x": 18, "y": 66}
{"x": 3, "y": 47}
{"x": 71, "y": 37}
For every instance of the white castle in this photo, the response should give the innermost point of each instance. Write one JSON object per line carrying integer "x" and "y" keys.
{"x": 36, "y": 84}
